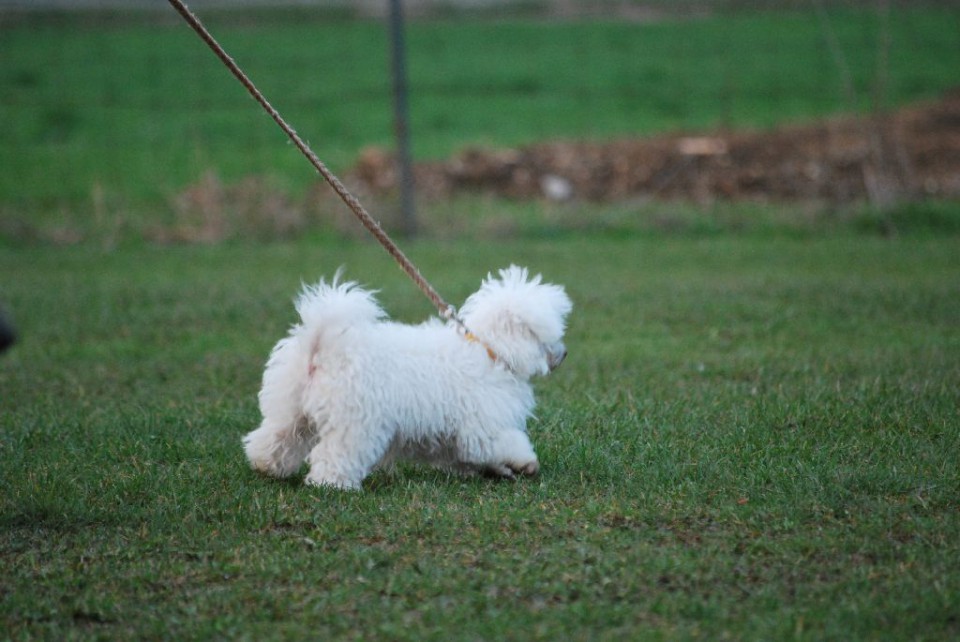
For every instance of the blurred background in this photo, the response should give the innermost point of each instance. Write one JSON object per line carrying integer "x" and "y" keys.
{"x": 117, "y": 124}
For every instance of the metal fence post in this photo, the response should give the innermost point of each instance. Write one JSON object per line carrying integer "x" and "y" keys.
{"x": 400, "y": 119}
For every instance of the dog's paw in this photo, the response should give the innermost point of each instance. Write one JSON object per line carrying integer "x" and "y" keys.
{"x": 269, "y": 464}
{"x": 510, "y": 470}
{"x": 529, "y": 469}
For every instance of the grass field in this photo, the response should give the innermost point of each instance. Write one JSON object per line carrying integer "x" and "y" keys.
{"x": 103, "y": 122}
{"x": 755, "y": 436}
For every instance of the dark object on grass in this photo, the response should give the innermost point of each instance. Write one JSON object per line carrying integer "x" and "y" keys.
{"x": 7, "y": 336}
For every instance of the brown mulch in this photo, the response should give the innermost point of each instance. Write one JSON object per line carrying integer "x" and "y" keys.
{"x": 913, "y": 152}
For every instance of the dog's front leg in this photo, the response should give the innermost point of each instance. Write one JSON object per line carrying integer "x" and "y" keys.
{"x": 508, "y": 455}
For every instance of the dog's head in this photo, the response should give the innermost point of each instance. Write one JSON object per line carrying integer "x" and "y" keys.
{"x": 521, "y": 319}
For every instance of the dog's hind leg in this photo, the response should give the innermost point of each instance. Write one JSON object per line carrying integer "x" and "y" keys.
{"x": 281, "y": 443}
{"x": 276, "y": 449}
{"x": 344, "y": 456}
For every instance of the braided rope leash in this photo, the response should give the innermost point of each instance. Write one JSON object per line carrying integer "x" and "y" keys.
{"x": 446, "y": 310}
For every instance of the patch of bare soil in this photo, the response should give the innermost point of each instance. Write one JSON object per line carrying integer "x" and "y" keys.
{"x": 910, "y": 153}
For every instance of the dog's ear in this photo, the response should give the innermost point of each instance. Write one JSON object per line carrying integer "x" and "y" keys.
{"x": 530, "y": 344}
{"x": 517, "y": 346}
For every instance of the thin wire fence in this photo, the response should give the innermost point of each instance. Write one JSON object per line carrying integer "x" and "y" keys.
{"x": 116, "y": 113}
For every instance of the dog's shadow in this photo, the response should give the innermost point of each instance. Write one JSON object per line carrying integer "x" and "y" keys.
{"x": 405, "y": 476}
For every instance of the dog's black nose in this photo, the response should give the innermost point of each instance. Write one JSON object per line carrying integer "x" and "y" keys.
{"x": 557, "y": 358}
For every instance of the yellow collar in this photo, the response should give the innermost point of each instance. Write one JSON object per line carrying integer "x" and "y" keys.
{"x": 472, "y": 338}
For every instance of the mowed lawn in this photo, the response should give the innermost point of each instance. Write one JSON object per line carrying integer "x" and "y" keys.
{"x": 754, "y": 436}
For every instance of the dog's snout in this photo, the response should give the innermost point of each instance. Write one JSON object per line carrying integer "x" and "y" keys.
{"x": 557, "y": 356}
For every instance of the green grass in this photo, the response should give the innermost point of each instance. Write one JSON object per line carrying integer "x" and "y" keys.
{"x": 754, "y": 436}
{"x": 108, "y": 121}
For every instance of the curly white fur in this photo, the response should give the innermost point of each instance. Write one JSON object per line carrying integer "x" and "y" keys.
{"x": 348, "y": 391}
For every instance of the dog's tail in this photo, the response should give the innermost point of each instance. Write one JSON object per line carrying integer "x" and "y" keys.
{"x": 328, "y": 309}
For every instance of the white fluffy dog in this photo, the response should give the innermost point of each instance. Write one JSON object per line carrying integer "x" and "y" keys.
{"x": 348, "y": 391}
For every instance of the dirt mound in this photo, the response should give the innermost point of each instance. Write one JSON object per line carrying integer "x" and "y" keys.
{"x": 905, "y": 154}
